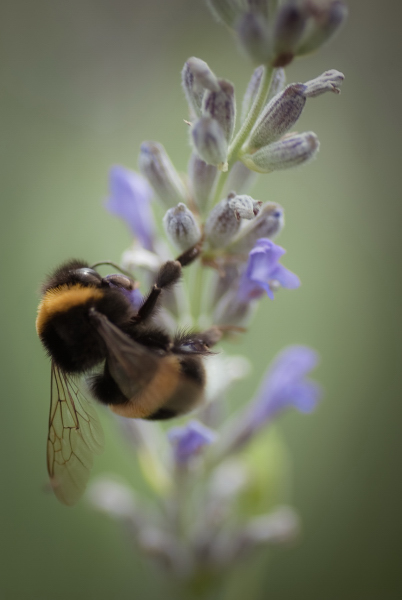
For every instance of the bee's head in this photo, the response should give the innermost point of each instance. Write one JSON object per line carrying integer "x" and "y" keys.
{"x": 85, "y": 276}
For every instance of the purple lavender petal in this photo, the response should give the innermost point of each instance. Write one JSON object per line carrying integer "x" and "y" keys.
{"x": 135, "y": 297}
{"x": 130, "y": 196}
{"x": 290, "y": 365}
{"x": 189, "y": 440}
{"x": 273, "y": 251}
{"x": 286, "y": 278}
{"x": 285, "y": 385}
{"x": 263, "y": 267}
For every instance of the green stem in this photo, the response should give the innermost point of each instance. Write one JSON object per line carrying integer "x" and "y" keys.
{"x": 246, "y": 128}
{"x": 197, "y": 292}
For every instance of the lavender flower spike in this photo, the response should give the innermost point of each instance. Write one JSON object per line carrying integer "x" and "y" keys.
{"x": 130, "y": 196}
{"x": 263, "y": 272}
{"x": 189, "y": 440}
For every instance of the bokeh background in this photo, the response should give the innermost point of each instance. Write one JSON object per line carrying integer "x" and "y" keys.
{"x": 82, "y": 84}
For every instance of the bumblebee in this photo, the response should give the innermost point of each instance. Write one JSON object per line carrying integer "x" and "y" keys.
{"x": 88, "y": 326}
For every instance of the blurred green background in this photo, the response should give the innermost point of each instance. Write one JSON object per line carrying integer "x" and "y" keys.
{"x": 83, "y": 83}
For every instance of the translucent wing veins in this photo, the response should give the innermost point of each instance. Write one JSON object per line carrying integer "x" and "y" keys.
{"x": 75, "y": 435}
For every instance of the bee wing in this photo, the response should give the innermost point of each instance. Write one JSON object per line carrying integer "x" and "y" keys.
{"x": 75, "y": 435}
{"x": 131, "y": 365}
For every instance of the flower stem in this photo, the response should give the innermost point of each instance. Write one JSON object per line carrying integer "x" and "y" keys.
{"x": 197, "y": 292}
{"x": 246, "y": 128}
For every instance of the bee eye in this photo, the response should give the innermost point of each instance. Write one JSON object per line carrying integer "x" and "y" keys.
{"x": 193, "y": 347}
{"x": 120, "y": 281}
{"x": 87, "y": 276}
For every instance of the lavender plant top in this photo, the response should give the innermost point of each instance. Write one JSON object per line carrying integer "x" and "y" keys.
{"x": 198, "y": 470}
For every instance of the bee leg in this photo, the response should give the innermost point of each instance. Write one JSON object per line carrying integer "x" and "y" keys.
{"x": 196, "y": 342}
{"x": 191, "y": 254}
{"x": 168, "y": 275}
{"x": 201, "y": 342}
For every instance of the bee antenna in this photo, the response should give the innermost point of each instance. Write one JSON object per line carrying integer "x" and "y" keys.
{"x": 114, "y": 265}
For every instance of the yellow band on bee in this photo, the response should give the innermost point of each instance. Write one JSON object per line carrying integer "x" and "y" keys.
{"x": 161, "y": 387}
{"x": 61, "y": 299}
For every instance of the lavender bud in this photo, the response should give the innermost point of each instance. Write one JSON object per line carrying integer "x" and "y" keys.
{"x": 327, "y": 22}
{"x": 277, "y": 85}
{"x": 202, "y": 178}
{"x": 277, "y": 117}
{"x": 196, "y": 78}
{"x": 224, "y": 220}
{"x": 251, "y": 92}
{"x": 221, "y": 105}
{"x": 278, "y": 527}
{"x": 156, "y": 166}
{"x": 258, "y": 6}
{"x": 163, "y": 548}
{"x": 244, "y": 207}
{"x": 113, "y": 498}
{"x": 288, "y": 152}
{"x": 228, "y": 278}
{"x": 330, "y": 81}
{"x": 267, "y": 224}
{"x": 240, "y": 178}
{"x": 226, "y": 11}
{"x": 210, "y": 142}
{"x": 181, "y": 227}
{"x": 288, "y": 30}
{"x": 229, "y": 311}
{"x": 255, "y": 38}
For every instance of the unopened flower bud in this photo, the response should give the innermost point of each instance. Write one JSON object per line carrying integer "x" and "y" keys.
{"x": 244, "y": 207}
{"x": 226, "y": 11}
{"x": 196, "y": 78}
{"x": 251, "y": 92}
{"x": 277, "y": 117}
{"x": 240, "y": 178}
{"x": 330, "y": 81}
{"x": 255, "y": 38}
{"x": 288, "y": 30}
{"x": 260, "y": 7}
{"x": 113, "y": 498}
{"x": 288, "y": 152}
{"x": 181, "y": 227}
{"x": 210, "y": 142}
{"x": 326, "y": 23}
{"x": 224, "y": 220}
{"x": 229, "y": 311}
{"x": 267, "y": 224}
{"x": 274, "y": 528}
{"x": 277, "y": 85}
{"x": 221, "y": 106}
{"x": 157, "y": 167}
{"x": 202, "y": 178}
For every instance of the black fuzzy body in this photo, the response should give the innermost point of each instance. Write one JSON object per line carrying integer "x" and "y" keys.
{"x": 71, "y": 339}
{"x": 85, "y": 321}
